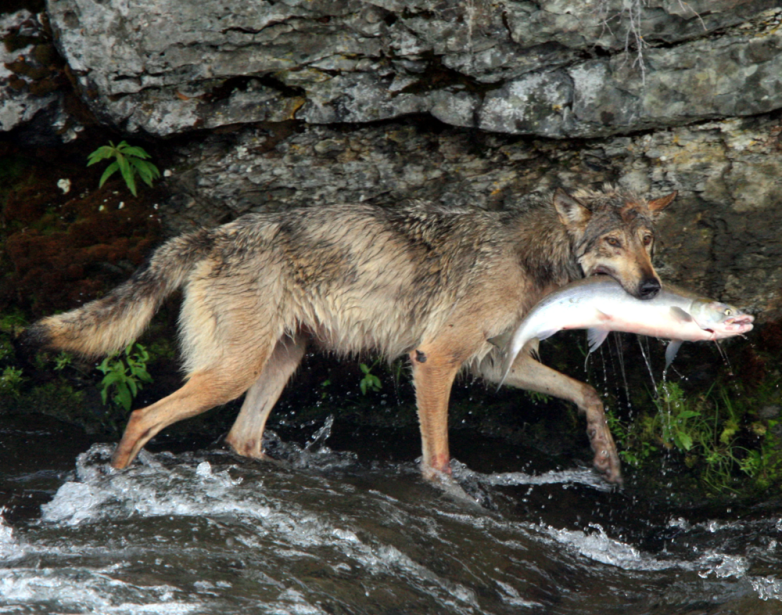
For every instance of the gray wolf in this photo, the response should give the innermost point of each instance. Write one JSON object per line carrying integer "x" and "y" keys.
{"x": 423, "y": 280}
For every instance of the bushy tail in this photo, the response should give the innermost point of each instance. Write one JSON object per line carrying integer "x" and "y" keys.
{"x": 109, "y": 324}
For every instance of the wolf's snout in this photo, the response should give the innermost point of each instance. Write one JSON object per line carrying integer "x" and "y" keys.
{"x": 649, "y": 288}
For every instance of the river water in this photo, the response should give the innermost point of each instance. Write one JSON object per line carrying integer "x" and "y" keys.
{"x": 327, "y": 531}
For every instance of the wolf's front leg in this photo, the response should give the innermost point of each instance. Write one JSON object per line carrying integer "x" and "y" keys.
{"x": 433, "y": 375}
{"x": 531, "y": 375}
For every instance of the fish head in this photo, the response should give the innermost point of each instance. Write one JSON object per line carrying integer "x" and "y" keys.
{"x": 722, "y": 319}
{"x": 613, "y": 234}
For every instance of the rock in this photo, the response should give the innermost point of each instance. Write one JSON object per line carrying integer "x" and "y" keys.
{"x": 770, "y": 412}
{"x": 554, "y": 68}
{"x": 32, "y": 99}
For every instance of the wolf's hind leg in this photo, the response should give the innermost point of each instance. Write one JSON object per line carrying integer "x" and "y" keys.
{"x": 531, "y": 375}
{"x": 204, "y": 390}
{"x": 246, "y": 435}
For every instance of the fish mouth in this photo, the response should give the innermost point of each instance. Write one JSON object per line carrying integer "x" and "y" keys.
{"x": 743, "y": 320}
{"x": 735, "y": 325}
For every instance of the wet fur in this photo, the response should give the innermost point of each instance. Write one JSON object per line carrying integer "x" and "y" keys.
{"x": 423, "y": 280}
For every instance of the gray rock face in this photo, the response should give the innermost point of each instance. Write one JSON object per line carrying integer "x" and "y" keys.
{"x": 703, "y": 78}
{"x": 556, "y": 68}
{"x": 721, "y": 235}
{"x": 26, "y": 88}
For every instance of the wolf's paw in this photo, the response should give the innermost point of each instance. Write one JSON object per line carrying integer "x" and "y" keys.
{"x": 606, "y": 459}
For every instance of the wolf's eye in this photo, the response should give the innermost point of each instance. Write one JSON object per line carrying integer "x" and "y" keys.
{"x": 648, "y": 239}
{"x": 613, "y": 242}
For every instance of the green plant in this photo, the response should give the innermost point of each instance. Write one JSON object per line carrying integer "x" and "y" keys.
{"x": 129, "y": 161}
{"x": 11, "y": 381}
{"x": 538, "y": 398}
{"x": 370, "y": 382}
{"x": 12, "y": 322}
{"x": 635, "y": 449}
{"x": 716, "y": 434}
{"x": 678, "y": 420}
{"x": 61, "y": 361}
{"x": 123, "y": 375}
{"x": 324, "y": 388}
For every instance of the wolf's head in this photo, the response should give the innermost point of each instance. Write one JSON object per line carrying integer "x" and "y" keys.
{"x": 612, "y": 232}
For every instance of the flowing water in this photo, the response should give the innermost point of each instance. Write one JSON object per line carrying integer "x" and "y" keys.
{"x": 325, "y": 531}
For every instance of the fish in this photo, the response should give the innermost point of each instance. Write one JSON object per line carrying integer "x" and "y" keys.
{"x": 600, "y": 305}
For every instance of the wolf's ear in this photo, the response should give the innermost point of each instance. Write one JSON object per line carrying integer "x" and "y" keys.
{"x": 657, "y": 205}
{"x": 571, "y": 211}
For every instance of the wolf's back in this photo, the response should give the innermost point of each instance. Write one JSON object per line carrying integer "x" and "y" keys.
{"x": 109, "y": 324}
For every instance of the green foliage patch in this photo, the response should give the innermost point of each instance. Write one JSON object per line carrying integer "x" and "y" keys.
{"x": 130, "y": 161}
{"x": 123, "y": 375}
{"x": 718, "y": 435}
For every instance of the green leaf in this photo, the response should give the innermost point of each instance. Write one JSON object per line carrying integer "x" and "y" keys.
{"x": 135, "y": 151}
{"x": 363, "y": 386}
{"x": 146, "y": 171}
{"x": 364, "y": 367}
{"x": 124, "y": 398}
{"x": 127, "y": 173}
{"x": 104, "y": 365}
{"x": 99, "y": 154}
{"x": 108, "y": 173}
{"x": 683, "y": 441}
{"x": 112, "y": 377}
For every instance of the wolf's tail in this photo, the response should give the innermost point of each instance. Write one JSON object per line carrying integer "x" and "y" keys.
{"x": 109, "y": 324}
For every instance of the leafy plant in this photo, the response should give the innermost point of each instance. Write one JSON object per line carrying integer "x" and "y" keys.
{"x": 370, "y": 382}
{"x": 12, "y": 322}
{"x": 678, "y": 420}
{"x": 323, "y": 388}
{"x": 129, "y": 161}
{"x": 716, "y": 434}
{"x": 123, "y": 375}
{"x": 61, "y": 361}
{"x": 10, "y": 381}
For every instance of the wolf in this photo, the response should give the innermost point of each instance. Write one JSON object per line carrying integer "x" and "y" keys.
{"x": 434, "y": 283}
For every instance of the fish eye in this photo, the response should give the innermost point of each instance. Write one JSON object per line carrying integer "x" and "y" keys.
{"x": 613, "y": 242}
{"x": 728, "y": 312}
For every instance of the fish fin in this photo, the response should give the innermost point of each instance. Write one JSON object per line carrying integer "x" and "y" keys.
{"x": 596, "y": 337}
{"x": 680, "y": 315}
{"x": 500, "y": 341}
{"x": 670, "y": 352}
{"x": 509, "y": 358}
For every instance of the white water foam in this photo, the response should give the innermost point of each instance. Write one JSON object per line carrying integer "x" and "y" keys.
{"x": 766, "y": 588}
{"x": 154, "y": 489}
{"x": 9, "y": 545}
{"x": 564, "y": 477}
{"x": 87, "y": 591}
{"x": 600, "y": 547}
